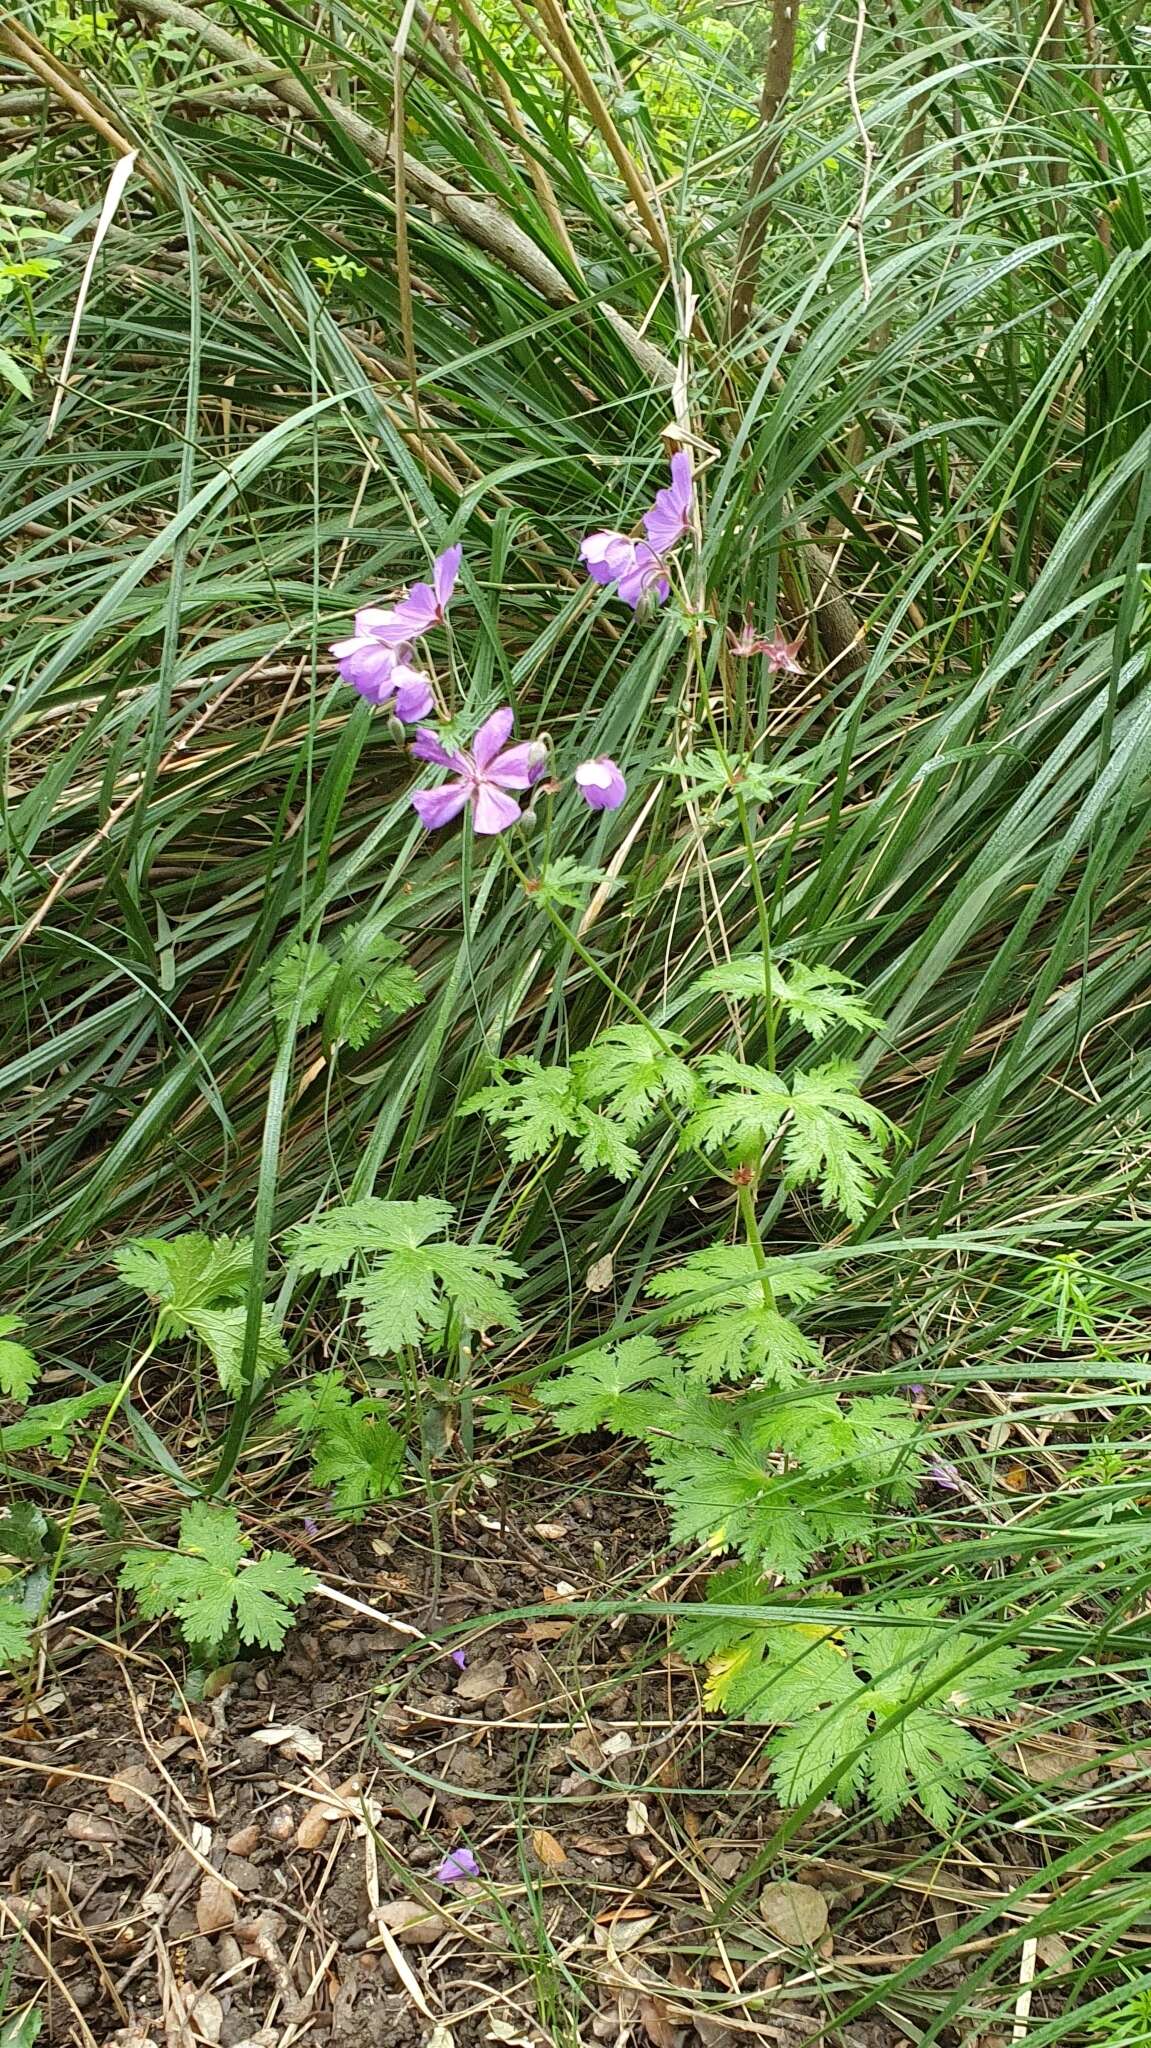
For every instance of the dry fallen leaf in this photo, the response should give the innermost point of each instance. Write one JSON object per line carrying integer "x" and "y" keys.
{"x": 127, "y": 1785}
{"x": 794, "y": 1913}
{"x": 207, "y": 2017}
{"x": 480, "y": 1681}
{"x": 551, "y": 1531}
{"x": 636, "y": 1817}
{"x": 320, "y": 1816}
{"x": 313, "y": 1828}
{"x": 600, "y": 1274}
{"x": 617, "y": 1745}
{"x": 621, "y": 1934}
{"x": 712, "y": 2034}
{"x": 1068, "y": 1754}
{"x": 657, "y": 2023}
{"x": 585, "y": 1749}
{"x": 551, "y": 1853}
{"x": 1054, "y": 1953}
{"x": 288, "y": 1735}
{"x": 411, "y": 1922}
{"x": 171, "y": 1746}
{"x": 244, "y": 1840}
{"x": 546, "y": 1631}
{"x": 89, "y": 1827}
{"x": 440, "y": 2037}
{"x": 511, "y": 2037}
{"x": 215, "y": 1906}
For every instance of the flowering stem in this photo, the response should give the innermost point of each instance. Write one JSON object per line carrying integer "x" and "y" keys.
{"x": 762, "y": 913}
{"x": 764, "y": 931}
{"x": 589, "y": 960}
{"x": 755, "y": 1238}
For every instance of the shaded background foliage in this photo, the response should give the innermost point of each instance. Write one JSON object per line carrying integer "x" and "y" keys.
{"x": 303, "y": 367}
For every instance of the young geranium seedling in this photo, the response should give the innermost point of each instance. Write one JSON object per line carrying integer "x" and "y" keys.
{"x": 213, "y": 1588}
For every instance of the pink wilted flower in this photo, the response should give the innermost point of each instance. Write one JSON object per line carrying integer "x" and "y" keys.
{"x": 482, "y": 776}
{"x": 782, "y": 655}
{"x": 600, "y": 783}
{"x": 424, "y": 606}
{"x": 943, "y": 1473}
{"x": 637, "y": 567}
{"x": 384, "y": 674}
{"x": 460, "y": 1659}
{"x": 457, "y": 1867}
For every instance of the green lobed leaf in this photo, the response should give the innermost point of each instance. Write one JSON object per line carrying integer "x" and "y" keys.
{"x": 303, "y": 976}
{"x": 593, "y": 1393}
{"x": 50, "y": 1423}
{"x": 15, "y": 1634}
{"x": 747, "y": 1105}
{"x": 602, "y": 1146}
{"x": 831, "y": 1134}
{"x": 373, "y": 984}
{"x": 897, "y": 1690}
{"x": 334, "y": 1240}
{"x": 735, "y": 1329}
{"x": 311, "y": 1404}
{"x": 19, "y": 1369}
{"x": 211, "y": 1587}
{"x": 535, "y": 1105}
{"x": 565, "y": 882}
{"x": 360, "y": 1457}
{"x": 222, "y": 1331}
{"x": 816, "y": 997}
{"x": 187, "y": 1272}
{"x": 627, "y": 1071}
{"x": 836, "y": 1138}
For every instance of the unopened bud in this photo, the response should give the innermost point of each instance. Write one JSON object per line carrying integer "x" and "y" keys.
{"x": 397, "y": 730}
{"x": 528, "y": 819}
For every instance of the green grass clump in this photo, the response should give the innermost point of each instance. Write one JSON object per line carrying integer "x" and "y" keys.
{"x": 833, "y": 1043}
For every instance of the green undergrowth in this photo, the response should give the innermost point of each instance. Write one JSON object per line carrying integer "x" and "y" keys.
{"x": 781, "y": 1135}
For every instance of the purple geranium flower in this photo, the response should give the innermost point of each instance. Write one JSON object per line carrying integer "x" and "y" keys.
{"x": 637, "y": 567}
{"x": 631, "y": 565}
{"x": 644, "y": 573}
{"x": 601, "y": 783}
{"x": 607, "y": 556}
{"x": 671, "y": 516}
{"x": 382, "y": 674}
{"x": 422, "y": 608}
{"x": 483, "y": 776}
{"x": 457, "y": 1867}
